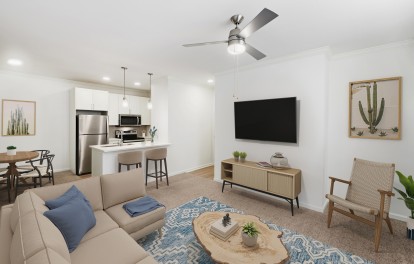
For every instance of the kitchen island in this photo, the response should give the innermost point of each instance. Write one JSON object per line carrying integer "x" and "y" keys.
{"x": 105, "y": 157}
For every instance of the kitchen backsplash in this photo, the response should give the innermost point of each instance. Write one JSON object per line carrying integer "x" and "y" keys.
{"x": 139, "y": 129}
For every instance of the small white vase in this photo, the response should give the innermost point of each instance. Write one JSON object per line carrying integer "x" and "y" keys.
{"x": 410, "y": 228}
{"x": 11, "y": 152}
{"x": 249, "y": 241}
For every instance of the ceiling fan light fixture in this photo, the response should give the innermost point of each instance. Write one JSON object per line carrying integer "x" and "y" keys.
{"x": 236, "y": 46}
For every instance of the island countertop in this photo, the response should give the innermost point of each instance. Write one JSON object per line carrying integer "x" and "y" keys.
{"x": 129, "y": 146}
{"x": 105, "y": 157}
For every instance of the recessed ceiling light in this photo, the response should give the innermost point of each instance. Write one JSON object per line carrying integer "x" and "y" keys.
{"x": 106, "y": 78}
{"x": 210, "y": 81}
{"x": 137, "y": 83}
{"x": 15, "y": 62}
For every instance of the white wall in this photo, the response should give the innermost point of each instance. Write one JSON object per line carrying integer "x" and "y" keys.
{"x": 159, "y": 112}
{"x": 190, "y": 110}
{"x": 305, "y": 77}
{"x": 380, "y": 62}
{"x": 321, "y": 83}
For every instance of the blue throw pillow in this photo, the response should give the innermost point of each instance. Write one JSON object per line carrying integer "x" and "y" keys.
{"x": 73, "y": 219}
{"x": 72, "y": 193}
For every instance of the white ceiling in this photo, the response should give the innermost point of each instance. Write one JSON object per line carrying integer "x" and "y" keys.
{"x": 86, "y": 40}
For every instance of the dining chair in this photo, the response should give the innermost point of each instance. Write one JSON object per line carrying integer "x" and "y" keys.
{"x": 6, "y": 181}
{"x": 369, "y": 192}
{"x": 36, "y": 174}
{"x": 40, "y": 163}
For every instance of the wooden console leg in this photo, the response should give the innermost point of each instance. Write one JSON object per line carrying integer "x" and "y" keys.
{"x": 297, "y": 201}
{"x": 222, "y": 188}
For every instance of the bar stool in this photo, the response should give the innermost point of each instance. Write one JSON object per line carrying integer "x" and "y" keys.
{"x": 130, "y": 158}
{"x": 156, "y": 155}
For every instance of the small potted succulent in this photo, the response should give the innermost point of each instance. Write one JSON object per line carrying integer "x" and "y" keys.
{"x": 243, "y": 156}
{"x": 152, "y": 132}
{"x": 11, "y": 150}
{"x": 250, "y": 234}
{"x": 408, "y": 198}
{"x": 236, "y": 155}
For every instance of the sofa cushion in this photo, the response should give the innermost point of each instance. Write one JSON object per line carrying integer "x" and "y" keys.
{"x": 132, "y": 224}
{"x": 25, "y": 203}
{"x": 90, "y": 187}
{"x": 47, "y": 256}
{"x": 73, "y": 219}
{"x": 6, "y": 233}
{"x": 121, "y": 187}
{"x": 72, "y": 193}
{"x": 114, "y": 246}
{"x": 34, "y": 233}
{"x": 104, "y": 223}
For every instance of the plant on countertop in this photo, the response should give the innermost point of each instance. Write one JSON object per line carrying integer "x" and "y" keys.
{"x": 243, "y": 155}
{"x": 250, "y": 229}
{"x": 11, "y": 147}
{"x": 236, "y": 154}
{"x": 152, "y": 132}
{"x": 408, "y": 195}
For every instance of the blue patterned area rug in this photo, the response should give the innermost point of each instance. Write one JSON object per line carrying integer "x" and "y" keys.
{"x": 179, "y": 245}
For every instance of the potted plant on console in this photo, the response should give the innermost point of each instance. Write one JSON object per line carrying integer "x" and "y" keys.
{"x": 243, "y": 156}
{"x": 236, "y": 155}
{"x": 408, "y": 198}
{"x": 11, "y": 150}
{"x": 250, "y": 234}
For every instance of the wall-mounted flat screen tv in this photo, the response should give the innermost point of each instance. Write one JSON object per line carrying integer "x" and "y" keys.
{"x": 267, "y": 120}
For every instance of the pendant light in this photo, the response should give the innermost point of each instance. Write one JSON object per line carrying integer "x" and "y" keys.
{"x": 149, "y": 104}
{"x": 124, "y": 100}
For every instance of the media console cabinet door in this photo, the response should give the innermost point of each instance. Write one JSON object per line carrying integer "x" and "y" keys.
{"x": 254, "y": 178}
{"x": 281, "y": 184}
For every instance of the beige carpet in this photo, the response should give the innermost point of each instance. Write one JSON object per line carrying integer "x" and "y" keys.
{"x": 345, "y": 234}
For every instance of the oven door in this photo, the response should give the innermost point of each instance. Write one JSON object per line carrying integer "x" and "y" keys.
{"x": 129, "y": 120}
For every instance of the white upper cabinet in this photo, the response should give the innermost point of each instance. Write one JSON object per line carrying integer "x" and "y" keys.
{"x": 144, "y": 111}
{"x": 113, "y": 109}
{"x": 88, "y": 99}
{"x": 136, "y": 106}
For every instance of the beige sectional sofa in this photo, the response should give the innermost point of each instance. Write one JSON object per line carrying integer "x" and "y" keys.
{"x": 27, "y": 236}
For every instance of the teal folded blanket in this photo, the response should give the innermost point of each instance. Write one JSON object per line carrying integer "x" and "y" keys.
{"x": 141, "y": 206}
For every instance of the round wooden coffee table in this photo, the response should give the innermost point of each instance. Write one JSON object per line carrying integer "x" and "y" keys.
{"x": 269, "y": 248}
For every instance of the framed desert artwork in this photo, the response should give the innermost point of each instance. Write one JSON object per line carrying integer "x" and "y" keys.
{"x": 375, "y": 108}
{"x": 19, "y": 118}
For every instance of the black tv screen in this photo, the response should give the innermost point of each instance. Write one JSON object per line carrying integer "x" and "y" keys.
{"x": 268, "y": 120}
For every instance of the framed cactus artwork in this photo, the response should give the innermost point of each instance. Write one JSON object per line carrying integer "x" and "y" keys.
{"x": 375, "y": 108}
{"x": 19, "y": 118}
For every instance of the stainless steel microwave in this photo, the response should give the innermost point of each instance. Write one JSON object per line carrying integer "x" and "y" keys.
{"x": 129, "y": 120}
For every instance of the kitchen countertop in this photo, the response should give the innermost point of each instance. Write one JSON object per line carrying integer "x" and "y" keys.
{"x": 128, "y": 146}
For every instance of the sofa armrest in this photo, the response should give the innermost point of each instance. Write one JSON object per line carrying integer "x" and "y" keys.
{"x": 121, "y": 187}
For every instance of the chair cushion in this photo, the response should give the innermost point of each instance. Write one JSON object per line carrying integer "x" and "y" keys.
{"x": 104, "y": 223}
{"x": 73, "y": 219}
{"x": 34, "y": 233}
{"x": 72, "y": 193}
{"x": 351, "y": 205}
{"x": 133, "y": 224}
{"x": 114, "y": 246}
{"x": 25, "y": 203}
{"x": 121, "y": 187}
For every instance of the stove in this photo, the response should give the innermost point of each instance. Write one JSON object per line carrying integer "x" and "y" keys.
{"x": 128, "y": 136}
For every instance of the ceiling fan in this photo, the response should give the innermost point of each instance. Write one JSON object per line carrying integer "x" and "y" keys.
{"x": 237, "y": 38}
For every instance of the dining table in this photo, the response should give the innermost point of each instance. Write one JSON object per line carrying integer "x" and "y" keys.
{"x": 12, "y": 171}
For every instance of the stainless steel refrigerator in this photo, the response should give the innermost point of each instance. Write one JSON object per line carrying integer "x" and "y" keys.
{"x": 90, "y": 130}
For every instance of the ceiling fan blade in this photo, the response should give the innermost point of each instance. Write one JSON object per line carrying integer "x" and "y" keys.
{"x": 254, "y": 52}
{"x": 205, "y": 43}
{"x": 264, "y": 17}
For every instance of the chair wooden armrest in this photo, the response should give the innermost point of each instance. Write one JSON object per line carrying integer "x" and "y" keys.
{"x": 386, "y": 192}
{"x": 333, "y": 179}
{"x": 340, "y": 180}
